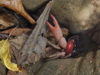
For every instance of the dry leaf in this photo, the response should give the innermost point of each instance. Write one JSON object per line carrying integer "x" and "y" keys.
{"x": 16, "y": 31}
{"x": 19, "y": 41}
{"x": 5, "y": 21}
{"x": 23, "y": 72}
{"x": 11, "y": 73}
{"x": 16, "y": 5}
{"x": 5, "y": 56}
{"x": 15, "y": 46}
{"x": 36, "y": 43}
{"x": 2, "y": 69}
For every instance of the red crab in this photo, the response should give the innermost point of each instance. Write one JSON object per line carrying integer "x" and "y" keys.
{"x": 68, "y": 46}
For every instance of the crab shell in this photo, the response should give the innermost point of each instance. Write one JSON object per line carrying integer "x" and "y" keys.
{"x": 70, "y": 47}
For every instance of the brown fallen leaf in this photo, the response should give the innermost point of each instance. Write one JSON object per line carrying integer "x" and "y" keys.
{"x": 15, "y": 46}
{"x": 16, "y": 31}
{"x": 36, "y": 43}
{"x": 11, "y": 73}
{"x": 2, "y": 69}
{"x": 5, "y": 21}
{"x": 23, "y": 72}
{"x": 16, "y": 5}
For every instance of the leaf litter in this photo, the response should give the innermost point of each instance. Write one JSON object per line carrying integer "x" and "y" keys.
{"x": 32, "y": 47}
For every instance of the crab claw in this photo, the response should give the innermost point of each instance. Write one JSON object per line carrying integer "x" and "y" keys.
{"x": 57, "y": 32}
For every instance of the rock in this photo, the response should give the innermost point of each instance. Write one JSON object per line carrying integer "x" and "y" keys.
{"x": 95, "y": 34}
{"x": 32, "y": 69}
{"x": 88, "y": 64}
{"x": 33, "y": 4}
{"x": 80, "y": 15}
{"x": 96, "y": 37}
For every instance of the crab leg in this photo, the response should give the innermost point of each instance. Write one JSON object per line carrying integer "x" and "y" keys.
{"x": 57, "y": 32}
{"x": 57, "y": 55}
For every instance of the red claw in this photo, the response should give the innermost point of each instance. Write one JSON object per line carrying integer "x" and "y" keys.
{"x": 57, "y": 32}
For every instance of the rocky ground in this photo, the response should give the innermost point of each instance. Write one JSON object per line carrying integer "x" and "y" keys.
{"x": 89, "y": 64}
